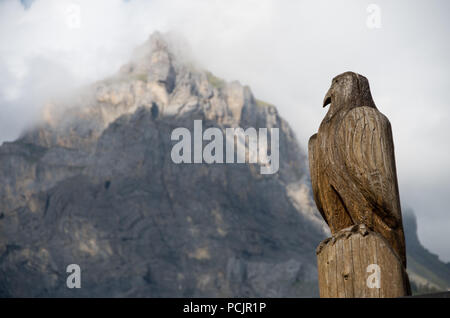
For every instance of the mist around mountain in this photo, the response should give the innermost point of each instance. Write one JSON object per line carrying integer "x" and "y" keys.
{"x": 94, "y": 184}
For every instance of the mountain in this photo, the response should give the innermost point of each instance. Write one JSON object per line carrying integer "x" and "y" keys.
{"x": 94, "y": 184}
{"x": 426, "y": 271}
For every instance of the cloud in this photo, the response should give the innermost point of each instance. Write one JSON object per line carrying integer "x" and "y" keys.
{"x": 287, "y": 51}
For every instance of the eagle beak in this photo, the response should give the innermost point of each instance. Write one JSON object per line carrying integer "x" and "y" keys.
{"x": 327, "y": 99}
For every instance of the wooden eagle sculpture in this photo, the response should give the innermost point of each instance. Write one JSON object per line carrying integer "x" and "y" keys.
{"x": 352, "y": 164}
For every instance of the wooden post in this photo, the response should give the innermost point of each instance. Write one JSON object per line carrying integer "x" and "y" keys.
{"x": 357, "y": 262}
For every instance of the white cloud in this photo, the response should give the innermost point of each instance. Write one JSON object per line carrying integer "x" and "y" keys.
{"x": 287, "y": 51}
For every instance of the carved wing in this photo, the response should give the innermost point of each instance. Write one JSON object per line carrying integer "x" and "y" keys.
{"x": 368, "y": 154}
{"x": 314, "y": 172}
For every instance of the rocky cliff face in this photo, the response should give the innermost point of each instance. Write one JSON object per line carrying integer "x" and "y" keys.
{"x": 94, "y": 185}
{"x": 426, "y": 271}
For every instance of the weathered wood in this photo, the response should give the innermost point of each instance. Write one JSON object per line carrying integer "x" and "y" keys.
{"x": 344, "y": 260}
{"x": 352, "y": 163}
{"x": 354, "y": 181}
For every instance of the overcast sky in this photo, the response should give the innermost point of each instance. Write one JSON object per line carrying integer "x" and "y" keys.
{"x": 287, "y": 51}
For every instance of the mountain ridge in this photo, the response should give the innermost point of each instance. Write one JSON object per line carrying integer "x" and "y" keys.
{"x": 95, "y": 185}
{"x": 426, "y": 271}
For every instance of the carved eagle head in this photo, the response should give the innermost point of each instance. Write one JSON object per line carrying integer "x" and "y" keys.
{"x": 348, "y": 90}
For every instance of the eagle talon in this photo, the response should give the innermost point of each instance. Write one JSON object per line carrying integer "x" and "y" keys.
{"x": 362, "y": 229}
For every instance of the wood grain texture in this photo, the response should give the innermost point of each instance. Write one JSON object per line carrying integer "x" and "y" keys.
{"x": 343, "y": 266}
{"x": 353, "y": 172}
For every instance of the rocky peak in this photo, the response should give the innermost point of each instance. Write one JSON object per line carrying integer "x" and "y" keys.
{"x": 158, "y": 42}
{"x": 94, "y": 184}
{"x": 157, "y": 77}
{"x": 154, "y": 62}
